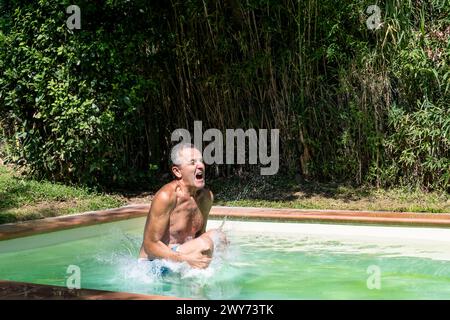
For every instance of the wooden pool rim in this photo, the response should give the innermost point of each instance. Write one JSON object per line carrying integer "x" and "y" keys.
{"x": 21, "y": 290}
{"x": 13, "y": 290}
{"x": 32, "y": 227}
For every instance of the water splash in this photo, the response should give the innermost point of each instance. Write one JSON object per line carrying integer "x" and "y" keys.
{"x": 164, "y": 276}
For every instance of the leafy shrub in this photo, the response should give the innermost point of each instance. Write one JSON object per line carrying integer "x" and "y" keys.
{"x": 98, "y": 105}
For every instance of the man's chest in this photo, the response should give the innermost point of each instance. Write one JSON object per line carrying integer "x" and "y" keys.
{"x": 187, "y": 215}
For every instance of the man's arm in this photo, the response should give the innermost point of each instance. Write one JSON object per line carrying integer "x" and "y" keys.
{"x": 157, "y": 226}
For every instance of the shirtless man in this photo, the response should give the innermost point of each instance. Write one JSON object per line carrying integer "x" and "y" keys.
{"x": 176, "y": 224}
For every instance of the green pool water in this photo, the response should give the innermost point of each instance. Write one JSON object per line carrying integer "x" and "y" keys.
{"x": 288, "y": 261}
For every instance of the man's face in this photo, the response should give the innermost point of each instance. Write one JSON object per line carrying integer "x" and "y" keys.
{"x": 192, "y": 168}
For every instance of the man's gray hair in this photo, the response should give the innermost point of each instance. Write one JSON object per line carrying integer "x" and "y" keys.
{"x": 176, "y": 150}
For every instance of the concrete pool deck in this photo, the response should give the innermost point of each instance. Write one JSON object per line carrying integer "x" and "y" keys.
{"x": 20, "y": 290}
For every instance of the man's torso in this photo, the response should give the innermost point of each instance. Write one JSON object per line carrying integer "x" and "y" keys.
{"x": 186, "y": 218}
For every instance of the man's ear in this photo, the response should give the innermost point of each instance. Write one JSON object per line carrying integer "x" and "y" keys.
{"x": 176, "y": 172}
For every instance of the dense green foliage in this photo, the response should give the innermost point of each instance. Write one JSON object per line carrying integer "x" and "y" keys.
{"x": 98, "y": 105}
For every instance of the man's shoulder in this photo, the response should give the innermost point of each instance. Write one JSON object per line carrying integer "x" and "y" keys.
{"x": 166, "y": 193}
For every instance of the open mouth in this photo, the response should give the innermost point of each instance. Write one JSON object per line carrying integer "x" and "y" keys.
{"x": 199, "y": 176}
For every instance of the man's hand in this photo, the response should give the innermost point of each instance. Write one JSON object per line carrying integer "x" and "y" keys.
{"x": 197, "y": 260}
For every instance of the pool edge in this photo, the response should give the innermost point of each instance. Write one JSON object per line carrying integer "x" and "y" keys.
{"x": 14, "y": 290}
{"x": 32, "y": 227}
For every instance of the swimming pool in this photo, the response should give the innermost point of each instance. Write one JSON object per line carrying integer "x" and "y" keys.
{"x": 265, "y": 260}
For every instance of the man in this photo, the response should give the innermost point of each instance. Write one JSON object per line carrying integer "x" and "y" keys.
{"x": 176, "y": 223}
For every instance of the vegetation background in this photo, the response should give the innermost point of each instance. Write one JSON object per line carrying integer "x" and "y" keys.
{"x": 96, "y": 106}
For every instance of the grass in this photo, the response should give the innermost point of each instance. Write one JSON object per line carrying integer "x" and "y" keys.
{"x": 24, "y": 199}
{"x": 287, "y": 193}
